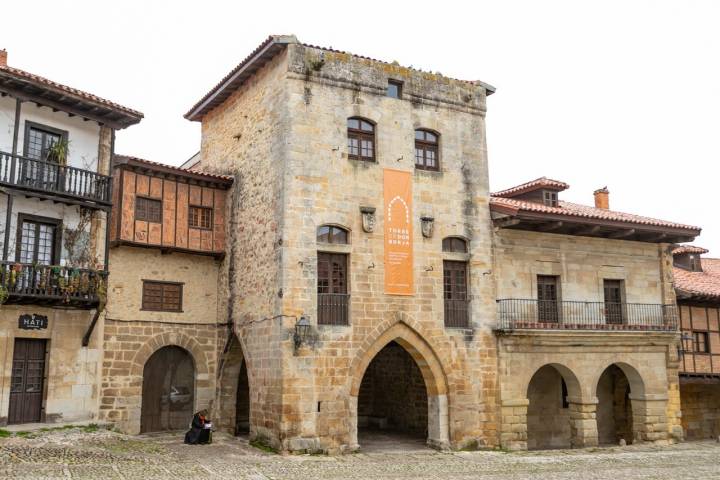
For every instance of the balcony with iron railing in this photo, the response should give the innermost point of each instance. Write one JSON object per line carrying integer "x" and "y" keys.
{"x": 50, "y": 179}
{"x": 524, "y": 314}
{"x": 23, "y": 283}
{"x": 333, "y": 308}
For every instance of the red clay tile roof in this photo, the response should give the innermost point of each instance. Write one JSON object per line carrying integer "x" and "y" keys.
{"x": 235, "y": 78}
{"x": 44, "y": 82}
{"x": 689, "y": 249}
{"x": 705, "y": 284}
{"x": 538, "y": 183}
{"x": 129, "y": 160}
{"x": 512, "y": 206}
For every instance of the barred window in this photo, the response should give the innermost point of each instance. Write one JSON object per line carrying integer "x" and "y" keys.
{"x": 361, "y": 139}
{"x": 162, "y": 296}
{"x": 201, "y": 217}
{"x": 148, "y": 210}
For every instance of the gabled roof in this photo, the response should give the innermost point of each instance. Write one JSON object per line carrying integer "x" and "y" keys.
{"x": 689, "y": 249}
{"x": 703, "y": 285}
{"x": 576, "y": 219}
{"x": 265, "y": 52}
{"x": 135, "y": 163}
{"x": 71, "y": 100}
{"x": 542, "y": 183}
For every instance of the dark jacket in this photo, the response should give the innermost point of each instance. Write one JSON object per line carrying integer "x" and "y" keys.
{"x": 197, "y": 434}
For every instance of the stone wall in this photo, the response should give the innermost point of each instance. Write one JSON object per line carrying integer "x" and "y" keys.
{"x": 283, "y": 136}
{"x": 72, "y": 371}
{"x": 700, "y": 410}
{"x": 132, "y": 335}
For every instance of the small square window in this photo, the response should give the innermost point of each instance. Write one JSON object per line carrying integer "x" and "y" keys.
{"x": 201, "y": 217}
{"x": 148, "y": 210}
{"x": 394, "y": 89}
{"x": 550, "y": 198}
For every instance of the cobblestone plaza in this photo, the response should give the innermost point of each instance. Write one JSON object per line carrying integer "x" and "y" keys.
{"x": 103, "y": 454}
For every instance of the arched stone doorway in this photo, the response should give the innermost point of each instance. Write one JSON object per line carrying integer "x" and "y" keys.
{"x": 614, "y": 411}
{"x": 402, "y": 362}
{"x": 549, "y": 416}
{"x": 393, "y": 397}
{"x": 168, "y": 393}
{"x": 233, "y": 403}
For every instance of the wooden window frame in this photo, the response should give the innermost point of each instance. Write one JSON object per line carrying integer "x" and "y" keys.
{"x": 148, "y": 199}
{"x": 545, "y": 313}
{"x": 361, "y": 135}
{"x": 397, "y": 84}
{"x": 550, "y": 198}
{"x": 450, "y": 248}
{"x": 163, "y": 283}
{"x": 201, "y": 209}
{"x": 426, "y": 146}
{"x": 330, "y": 236}
{"x": 338, "y": 313}
{"x": 57, "y": 241}
{"x": 45, "y": 128}
{"x": 456, "y": 266}
{"x": 706, "y": 335}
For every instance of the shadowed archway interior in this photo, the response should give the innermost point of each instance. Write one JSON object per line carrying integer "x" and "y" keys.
{"x": 393, "y": 395}
{"x": 548, "y": 413}
{"x": 614, "y": 410}
{"x": 168, "y": 392}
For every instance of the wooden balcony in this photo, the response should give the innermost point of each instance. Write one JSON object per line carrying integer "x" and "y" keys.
{"x": 54, "y": 181}
{"x": 52, "y": 285}
{"x": 524, "y": 314}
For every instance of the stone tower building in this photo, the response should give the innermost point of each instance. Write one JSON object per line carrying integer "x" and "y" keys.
{"x": 359, "y": 249}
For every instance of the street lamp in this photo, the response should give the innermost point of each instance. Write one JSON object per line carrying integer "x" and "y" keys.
{"x": 302, "y": 328}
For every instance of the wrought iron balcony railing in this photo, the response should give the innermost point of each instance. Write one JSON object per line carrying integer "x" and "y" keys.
{"x": 333, "y": 308}
{"x": 51, "y": 284}
{"x": 577, "y": 315}
{"x": 57, "y": 180}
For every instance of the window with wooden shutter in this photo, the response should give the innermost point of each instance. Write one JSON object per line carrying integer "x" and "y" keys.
{"x": 162, "y": 296}
{"x": 201, "y": 217}
{"x": 148, "y": 210}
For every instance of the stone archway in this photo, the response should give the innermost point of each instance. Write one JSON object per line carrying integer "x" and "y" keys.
{"x": 626, "y": 410}
{"x": 168, "y": 391}
{"x": 415, "y": 348}
{"x": 550, "y": 419}
{"x": 232, "y": 413}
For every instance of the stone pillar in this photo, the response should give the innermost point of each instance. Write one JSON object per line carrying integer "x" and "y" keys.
{"x": 649, "y": 418}
{"x": 583, "y": 422}
{"x": 513, "y": 429}
{"x": 438, "y": 424}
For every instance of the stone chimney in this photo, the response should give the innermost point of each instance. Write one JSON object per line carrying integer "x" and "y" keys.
{"x": 3, "y": 58}
{"x": 602, "y": 198}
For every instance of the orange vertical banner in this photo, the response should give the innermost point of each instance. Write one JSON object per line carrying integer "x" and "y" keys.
{"x": 397, "y": 188}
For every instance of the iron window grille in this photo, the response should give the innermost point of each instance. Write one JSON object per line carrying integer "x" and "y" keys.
{"x": 148, "y": 210}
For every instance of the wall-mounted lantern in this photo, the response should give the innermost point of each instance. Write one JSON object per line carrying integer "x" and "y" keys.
{"x": 368, "y": 219}
{"x": 302, "y": 328}
{"x": 426, "y": 225}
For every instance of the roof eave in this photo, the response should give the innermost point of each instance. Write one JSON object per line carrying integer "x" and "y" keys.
{"x": 527, "y": 218}
{"x": 125, "y": 162}
{"x": 243, "y": 71}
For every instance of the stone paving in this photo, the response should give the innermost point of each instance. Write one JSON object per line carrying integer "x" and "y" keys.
{"x": 83, "y": 453}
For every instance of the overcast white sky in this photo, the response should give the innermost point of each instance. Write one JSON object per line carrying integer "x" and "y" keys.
{"x": 618, "y": 93}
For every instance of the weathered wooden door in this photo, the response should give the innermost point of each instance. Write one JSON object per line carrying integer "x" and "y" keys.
{"x": 26, "y": 387}
{"x": 614, "y": 310}
{"x": 547, "y": 289}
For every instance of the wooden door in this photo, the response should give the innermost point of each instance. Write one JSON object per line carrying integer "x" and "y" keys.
{"x": 26, "y": 387}
{"x": 614, "y": 311}
{"x": 547, "y": 289}
{"x": 455, "y": 293}
{"x": 332, "y": 289}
